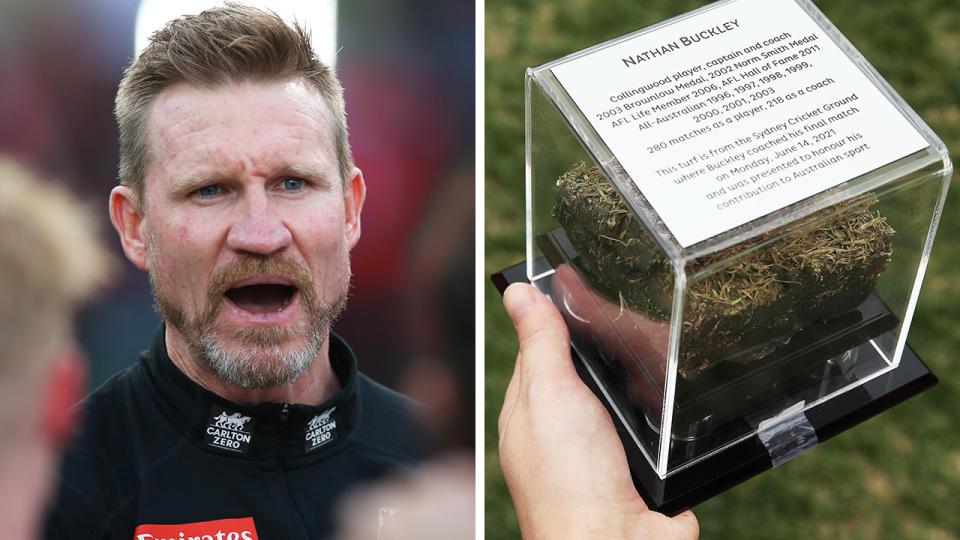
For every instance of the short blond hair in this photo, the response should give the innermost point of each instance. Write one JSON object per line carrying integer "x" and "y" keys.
{"x": 51, "y": 259}
{"x": 220, "y": 46}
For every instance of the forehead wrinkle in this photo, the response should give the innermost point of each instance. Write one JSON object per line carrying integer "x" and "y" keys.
{"x": 213, "y": 165}
{"x": 322, "y": 126}
{"x": 189, "y": 152}
{"x": 179, "y": 111}
{"x": 208, "y": 163}
{"x": 315, "y": 112}
{"x": 318, "y": 114}
{"x": 299, "y": 154}
{"x": 172, "y": 142}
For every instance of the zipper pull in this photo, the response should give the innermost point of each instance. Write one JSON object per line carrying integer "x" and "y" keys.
{"x": 284, "y": 412}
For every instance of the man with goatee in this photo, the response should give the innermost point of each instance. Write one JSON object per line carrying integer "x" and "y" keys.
{"x": 247, "y": 418}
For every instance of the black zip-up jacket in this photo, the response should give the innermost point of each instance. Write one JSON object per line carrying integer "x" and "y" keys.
{"x": 160, "y": 457}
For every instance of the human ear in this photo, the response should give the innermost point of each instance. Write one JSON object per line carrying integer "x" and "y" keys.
{"x": 354, "y": 193}
{"x": 127, "y": 218}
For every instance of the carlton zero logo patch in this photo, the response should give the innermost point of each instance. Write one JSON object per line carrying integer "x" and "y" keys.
{"x": 321, "y": 430}
{"x": 229, "y": 430}
{"x": 219, "y": 529}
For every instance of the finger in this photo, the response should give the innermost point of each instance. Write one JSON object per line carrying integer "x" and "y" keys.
{"x": 544, "y": 341}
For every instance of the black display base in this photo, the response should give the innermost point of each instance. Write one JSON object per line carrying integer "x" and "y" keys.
{"x": 749, "y": 457}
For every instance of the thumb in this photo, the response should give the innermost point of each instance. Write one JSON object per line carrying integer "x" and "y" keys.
{"x": 544, "y": 340}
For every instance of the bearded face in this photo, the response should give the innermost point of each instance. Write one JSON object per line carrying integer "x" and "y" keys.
{"x": 246, "y": 226}
{"x": 258, "y": 356}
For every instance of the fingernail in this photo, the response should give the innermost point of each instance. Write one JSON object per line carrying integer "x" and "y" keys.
{"x": 519, "y": 299}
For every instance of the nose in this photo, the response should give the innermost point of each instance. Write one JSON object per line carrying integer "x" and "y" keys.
{"x": 258, "y": 228}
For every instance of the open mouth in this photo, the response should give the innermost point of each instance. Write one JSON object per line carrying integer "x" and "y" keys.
{"x": 262, "y": 297}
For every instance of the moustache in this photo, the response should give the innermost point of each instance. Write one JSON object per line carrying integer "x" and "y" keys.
{"x": 248, "y": 266}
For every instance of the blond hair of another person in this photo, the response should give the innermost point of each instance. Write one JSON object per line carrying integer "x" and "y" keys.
{"x": 50, "y": 262}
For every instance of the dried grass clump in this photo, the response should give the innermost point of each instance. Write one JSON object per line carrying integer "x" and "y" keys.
{"x": 744, "y": 309}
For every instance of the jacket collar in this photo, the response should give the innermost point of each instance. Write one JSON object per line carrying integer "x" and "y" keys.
{"x": 268, "y": 433}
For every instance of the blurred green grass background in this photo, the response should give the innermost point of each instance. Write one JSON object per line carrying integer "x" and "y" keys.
{"x": 895, "y": 476}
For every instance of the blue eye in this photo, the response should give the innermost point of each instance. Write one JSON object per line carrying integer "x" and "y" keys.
{"x": 292, "y": 184}
{"x": 209, "y": 191}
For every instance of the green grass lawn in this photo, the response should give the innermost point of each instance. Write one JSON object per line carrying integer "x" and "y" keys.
{"x": 894, "y": 476}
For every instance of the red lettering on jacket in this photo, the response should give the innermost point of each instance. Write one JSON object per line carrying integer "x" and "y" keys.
{"x": 218, "y": 529}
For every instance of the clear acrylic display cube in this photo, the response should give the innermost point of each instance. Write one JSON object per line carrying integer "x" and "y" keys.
{"x": 698, "y": 347}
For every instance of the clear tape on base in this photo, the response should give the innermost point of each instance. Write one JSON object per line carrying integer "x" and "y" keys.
{"x": 787, "y": 435}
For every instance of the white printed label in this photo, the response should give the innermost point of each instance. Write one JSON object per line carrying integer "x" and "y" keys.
{"x": 321, "y": 430}
{"x": 736, "y": 112}
{"x": 228, "y": 430}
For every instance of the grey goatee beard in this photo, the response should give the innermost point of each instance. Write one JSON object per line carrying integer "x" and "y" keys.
{"x": 259, "y": 360}
{"x": 247, "y": 368}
